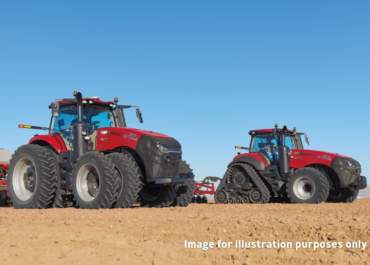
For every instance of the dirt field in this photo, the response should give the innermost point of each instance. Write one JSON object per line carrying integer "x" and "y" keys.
{"x": 156, "y": 236}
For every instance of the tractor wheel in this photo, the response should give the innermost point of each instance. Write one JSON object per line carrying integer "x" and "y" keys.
{"x": 238, "y": 177}
{"x": 308, "y": 185}
{"x": 343, "y": 195}
{"x": 33, "y": 177}
{"x": 130, "y": 179}
{"x": 59, "y": 200}
{"x": 95, "y": 181}
{"x": 157, "y": 195}
{"x": 204, "y": 199}
{"x": 3, "y": 198}
{"x": 184, "y": 192}
{"x": 221, "y": 196}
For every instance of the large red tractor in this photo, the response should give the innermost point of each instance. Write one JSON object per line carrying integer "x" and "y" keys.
{"x": 91, "y": 159}
{"x": 278, "y": 168}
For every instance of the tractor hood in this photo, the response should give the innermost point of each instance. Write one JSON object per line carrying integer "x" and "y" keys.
{"x": 159, "y": 153}
{"x": 130, "y": 133}
{"x": 315, "y": 154}
{"x": 143, "y": 132}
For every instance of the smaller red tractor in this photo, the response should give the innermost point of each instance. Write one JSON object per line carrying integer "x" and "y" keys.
{"x": 204, "y": 188}
{"x": 277, "y": 168}
{"x": 4, "y": 194}
{"x": 89, "y": 158}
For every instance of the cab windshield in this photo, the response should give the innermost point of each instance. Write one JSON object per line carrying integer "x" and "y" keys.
{"x": 268, "y": 142}
{"x": 93, "y": 118}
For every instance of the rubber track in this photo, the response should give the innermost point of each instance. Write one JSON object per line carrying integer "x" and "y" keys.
{"x": 266, "y": 195}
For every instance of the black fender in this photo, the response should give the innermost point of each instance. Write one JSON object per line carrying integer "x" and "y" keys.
{"x": 258, "y": 165}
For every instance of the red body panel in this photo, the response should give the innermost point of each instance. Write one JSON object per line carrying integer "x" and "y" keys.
{"x": 4, "y": 166}
{"x": 112, "y": 138}
{"x": 107, "y": 139}
{"x": 68, "y": 101}
{"x": 261, "y": 131}
{"x": 204, "y": 189}
{"x": 304, "y": 158}
{"x": 298, "y": 158}
{"x": 3, "y": 181}
{"x": 55, "y": 141}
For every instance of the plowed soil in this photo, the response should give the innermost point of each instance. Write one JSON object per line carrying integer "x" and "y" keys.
{"x": 156, "y": 236}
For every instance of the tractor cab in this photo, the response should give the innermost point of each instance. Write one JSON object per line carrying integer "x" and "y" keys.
{"x": 274, "y": 147}
{"x": 96, "y": 114}
{"x": 268, "y": 141}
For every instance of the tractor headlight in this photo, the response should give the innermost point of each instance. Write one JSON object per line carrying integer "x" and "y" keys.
{"x": 162, "y": 148}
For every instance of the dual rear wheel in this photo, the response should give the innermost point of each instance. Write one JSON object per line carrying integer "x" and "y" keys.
{"x": 98, "y": 181}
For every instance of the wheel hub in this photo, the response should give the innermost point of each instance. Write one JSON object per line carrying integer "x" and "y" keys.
{"x": 221, "y": 197}
{"x": 87, "y": 182}
{"x": 24, "y": 179}
{"x": 304, "y": 188}
{"x": 29, "y": 179}
{"x": 255, "y": 196}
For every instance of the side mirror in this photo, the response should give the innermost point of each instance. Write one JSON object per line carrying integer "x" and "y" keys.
{"x": 139, "y": 115}
{"x": 306, "y": 139}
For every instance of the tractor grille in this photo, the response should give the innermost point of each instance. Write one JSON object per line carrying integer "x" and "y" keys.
{"x": 161, "y": 157}
{"x": 348, "y": 170}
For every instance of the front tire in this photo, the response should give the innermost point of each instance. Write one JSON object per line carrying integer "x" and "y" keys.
{"x": 95, "y": 181}
{"x": 130, "y": 179}
{"x": 344, "y": 195}
{"x": 157, "y": 195}
{"x": 184, "y": 192}
{"x": 308, "y": 185}
{"x": 33, "y": 177}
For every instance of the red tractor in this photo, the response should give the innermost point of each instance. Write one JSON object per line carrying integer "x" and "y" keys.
{"x": 4, "y": 194}
{"x": 278, "y": 168}
{"x": 91, "y": 159}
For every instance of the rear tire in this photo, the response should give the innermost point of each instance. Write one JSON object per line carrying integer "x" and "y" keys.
{"x": 33, "y": 177}
{"x": 308, "y": 185}
{"x": 130, "y": 179}
{"x": 95, "y": 181}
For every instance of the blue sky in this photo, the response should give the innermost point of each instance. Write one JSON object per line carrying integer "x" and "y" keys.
{"x": 205, "y": 72}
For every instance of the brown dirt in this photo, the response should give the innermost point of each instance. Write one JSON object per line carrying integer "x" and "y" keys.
{"x": 156, "y": 236}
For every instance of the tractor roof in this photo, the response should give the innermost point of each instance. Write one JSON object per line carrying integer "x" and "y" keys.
{"x": 92, "y": 100}
{"x": 280, "y": 130}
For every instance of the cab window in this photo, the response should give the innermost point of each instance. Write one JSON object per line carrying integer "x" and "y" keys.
{"x": 66, "y": 116}
{"x": 261, "y": 142}
{"x": 102, "y": 119}
{"x": 289, "y": 142}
